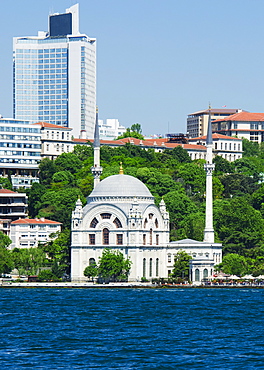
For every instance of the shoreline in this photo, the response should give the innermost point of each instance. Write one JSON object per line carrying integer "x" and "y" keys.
{"x": 134, "y": 285}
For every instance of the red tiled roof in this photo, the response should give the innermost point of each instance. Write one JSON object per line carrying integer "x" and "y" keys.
{"x": 216, "y": 136}
{"x": 159, "y": 142}
{"x": 51, "y": 125}
{"x": 243, "y": 116}
{"x": 30, "y": 221}
{"x": 7, "y": 191}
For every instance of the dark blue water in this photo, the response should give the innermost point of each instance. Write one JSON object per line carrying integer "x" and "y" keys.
{"x": 132, "y": 329}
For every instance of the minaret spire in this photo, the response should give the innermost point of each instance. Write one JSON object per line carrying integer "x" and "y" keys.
{"x": 96, "y": 169}
{"x": 209, "y": 167}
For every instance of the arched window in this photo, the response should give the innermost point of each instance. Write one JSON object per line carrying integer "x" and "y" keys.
{"x": 144, "y": 239}
{"x": 150, "y": 236}
{"x": 205, "y": 273}
{"x": 169, "y": 258}
{"x": 144, "y": 267}
{"x": 150, "y": 267}
{"x": 117, "y": 223}
{"x": 94, "y": 222}
{"x": 91, "y": 261}
{"x": 145, "y": 222}
{"x": 150, "y": 216}
{"x": 156, "y": 223}
{"x": 157, "y": 267}
{"x": 106, "y": 215}
{"x": 197, "y": 275}
{"x": 105, "y": 236}
{"x": 157, "y": 239}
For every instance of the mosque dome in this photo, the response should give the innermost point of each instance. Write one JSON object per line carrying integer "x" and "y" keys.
{"x": 121, "y": 186}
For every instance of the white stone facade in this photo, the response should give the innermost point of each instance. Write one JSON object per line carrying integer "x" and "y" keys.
{"x": 28, "y": 233}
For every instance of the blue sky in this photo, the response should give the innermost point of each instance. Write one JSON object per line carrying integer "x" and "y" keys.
{"x": 157, "y": 61}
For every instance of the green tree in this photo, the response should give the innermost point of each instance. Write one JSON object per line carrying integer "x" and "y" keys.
{"x": 58, "y": 251}
{"x": 130, "y": 133}
{"x": 34, "y": 195}
{"x": 6, "y": 262}
{"x": 222, "y": 165}
{"x": 250, "y": 148}
{"x": 91, "y": 271}
{"x": 5, "y": 183}
{"x": 83, "y": 152}
{"x": 180, "y": 154}
{"x": 233, "y": 264}
{"x": 181, "y": 265}
{"x": 113, "y": 265}
{"x": 68, "y": 162}
{"x": 46, "y": 275}
{"x": 29, "y": 261}
{"x": 47, "y": 168}
{"x": 136, "y": 127}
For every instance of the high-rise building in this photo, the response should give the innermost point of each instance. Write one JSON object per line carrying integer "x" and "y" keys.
{"x": 54, "y": 75}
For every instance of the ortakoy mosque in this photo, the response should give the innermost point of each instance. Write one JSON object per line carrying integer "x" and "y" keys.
{"x": 120, "y": 214}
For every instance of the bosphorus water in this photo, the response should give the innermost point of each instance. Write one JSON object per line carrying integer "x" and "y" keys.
{"x": 132, "y": 328}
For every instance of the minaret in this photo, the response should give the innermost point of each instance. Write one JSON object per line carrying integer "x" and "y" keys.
{"x": 96, "y": 169}
{"x": 209, "y": 167}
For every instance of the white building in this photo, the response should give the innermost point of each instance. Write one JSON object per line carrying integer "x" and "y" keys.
{"x": 121, "y": 215}
{"x": 111, "y": 129}
{"x": 54, "y": 75}
{"x": 228, "y": 147}
{"x": 28, "y": 233}
{"x": 20, "y": 151}
{"x": 55, "y": 140}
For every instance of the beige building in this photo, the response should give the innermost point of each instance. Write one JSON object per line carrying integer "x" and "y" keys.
{"x": 197, "y": 122}
{"x": 243, "y": 125}
{"x": 55, "y": 140}
{"x": 13, "y": 206}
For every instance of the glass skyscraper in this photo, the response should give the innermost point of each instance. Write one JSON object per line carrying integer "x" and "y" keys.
{"x": 54, "y": 75}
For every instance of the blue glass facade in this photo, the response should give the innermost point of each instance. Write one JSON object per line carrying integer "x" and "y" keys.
{"x": 41, "y": 84}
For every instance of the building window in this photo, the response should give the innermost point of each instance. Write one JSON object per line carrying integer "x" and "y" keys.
{"x": 157, "y": 239}
{"x": 62, "y": 135}
{"x": 215, "y": 145}
{"x": 150, "y": 267}
{"x": 238, "y": 147}
{"x": 235, "y": 126}
{"x": 150, "y": 216}
{"x": 144, "y": 239}
{"x": 92, "y": 239}
{"x": 117, "y": 223}
{"x": 92, "y": 262}
{"x": 230, "y": 146}
{"x": 106, "y": 215}
{"x": 105, "y": 236}
{"x": 225, "y": 146}
{"x": 47, "y": 147}
{"x": 144, "y": 267}
{"x": 93, "y": 223}
{"x": 205, "y": 273}
{"x": 156, "y": 223}
{"x": 145, "y": 222}
{"x": 119, "y": 239}
{"x": 169, "y": 258}
{"x": 150, "y": 236}
{"x": 221, "y": 146}
{"x": 234, "y": 146}
{"x": 197, "y": 275}
{"x": 157, "y": 267}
